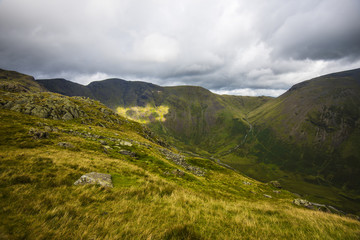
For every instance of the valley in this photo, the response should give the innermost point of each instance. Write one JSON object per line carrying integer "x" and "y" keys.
{"x": 190, "y": 173}
{"x": 307, "y": 138}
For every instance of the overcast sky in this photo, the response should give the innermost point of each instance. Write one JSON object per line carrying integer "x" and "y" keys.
{"x": 247, "y": 47}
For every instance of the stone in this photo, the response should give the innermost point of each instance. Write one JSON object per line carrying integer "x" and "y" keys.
{"x": 180, "y": 160}
{"x": 101, "y": 179}
{"x": 277, "y": 191}
{"x": 268, "y": 196}
{"x": 65, "y": 145}
{"x": 246, "y": 183}
{"x": 67, "y": 116}
{"x": 125, "y": 143}
{"x": 275, "y": 184}
{"x": 178, "y": 172}
{"x": 303, "y": 203}
{"x": 38, "y": 134}
{"x": 128, "y": 153}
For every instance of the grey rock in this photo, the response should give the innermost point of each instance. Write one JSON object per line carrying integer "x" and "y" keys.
{"x": 65, "y": 145}
{"x": 303, "y": 203}
{"x": 246, "y": 183}
{"x": 128, "y": 153}
{"x": 178, "y": 172}
{"x": 268, "y": 196}
{"x": 101, "y": 179}
{"x": 125, "y": 143}
{"x": 67, "y": 116}
{"x": 275, "y": 184}
{"x": 38, "y": 134}
{"x": 180, "y": 160}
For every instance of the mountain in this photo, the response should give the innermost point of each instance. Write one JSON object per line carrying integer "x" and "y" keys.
{"x": 49, "y": 140}
{"x": 320, "y": 120}
{"x": 307, "y": 138}
{"x": 193, "y": 117}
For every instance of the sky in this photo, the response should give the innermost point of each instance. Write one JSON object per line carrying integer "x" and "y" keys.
{"x": 228, "y": 46}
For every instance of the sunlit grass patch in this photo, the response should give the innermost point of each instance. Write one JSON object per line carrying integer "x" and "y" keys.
{"x": 144, "y": 114}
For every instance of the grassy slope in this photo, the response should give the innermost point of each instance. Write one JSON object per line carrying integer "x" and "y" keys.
{"x": 39, "y": 200}
{"x": 307, "y": 139}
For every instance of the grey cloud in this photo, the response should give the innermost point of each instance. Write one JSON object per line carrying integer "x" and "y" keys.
{"x": 220, "y": 45}
{"x": 327, "y": 31}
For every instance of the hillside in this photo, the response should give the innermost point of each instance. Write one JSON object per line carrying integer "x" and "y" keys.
{"x": 190, "y": 116}
{"x": 49, "y": 140}
{"x": 308, "y": 139}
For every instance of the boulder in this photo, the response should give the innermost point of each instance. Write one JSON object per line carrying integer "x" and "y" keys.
{"x": 128, "y": 153}
{"x": 101, "y": 179}
{"x": 303, "y": 203}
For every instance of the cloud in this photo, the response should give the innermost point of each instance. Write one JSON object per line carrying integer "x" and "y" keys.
{"x": 156, "y": 48}
{"x": 251, "y": 92}
{"x": 223, "y": 45}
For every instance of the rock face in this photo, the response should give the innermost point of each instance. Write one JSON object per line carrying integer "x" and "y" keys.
{"x": 102, "y": 179}
{"x": 44, "y": 105}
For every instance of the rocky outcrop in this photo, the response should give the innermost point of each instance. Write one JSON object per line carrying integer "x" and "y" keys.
{"x": 323, "y": 208}
{"x": 180, "y": 160}
{"x": 44, "y": 105}
{"x": 101, "y": 179}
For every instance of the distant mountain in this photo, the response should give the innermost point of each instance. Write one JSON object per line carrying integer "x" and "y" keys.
{"x": 318, "y": 122}
{"x": 192, "y": 116}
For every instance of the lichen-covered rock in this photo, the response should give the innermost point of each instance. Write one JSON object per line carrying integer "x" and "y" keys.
{"x": 128, "y": 153}
{"x": 124, "y": 143}
{"x": 101, "y": 179}
{"x": 303, "y": 203}
{"x": 38, "y": 134}
{"x": 275, "y": 184}
{"x": 65, "y": 145}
